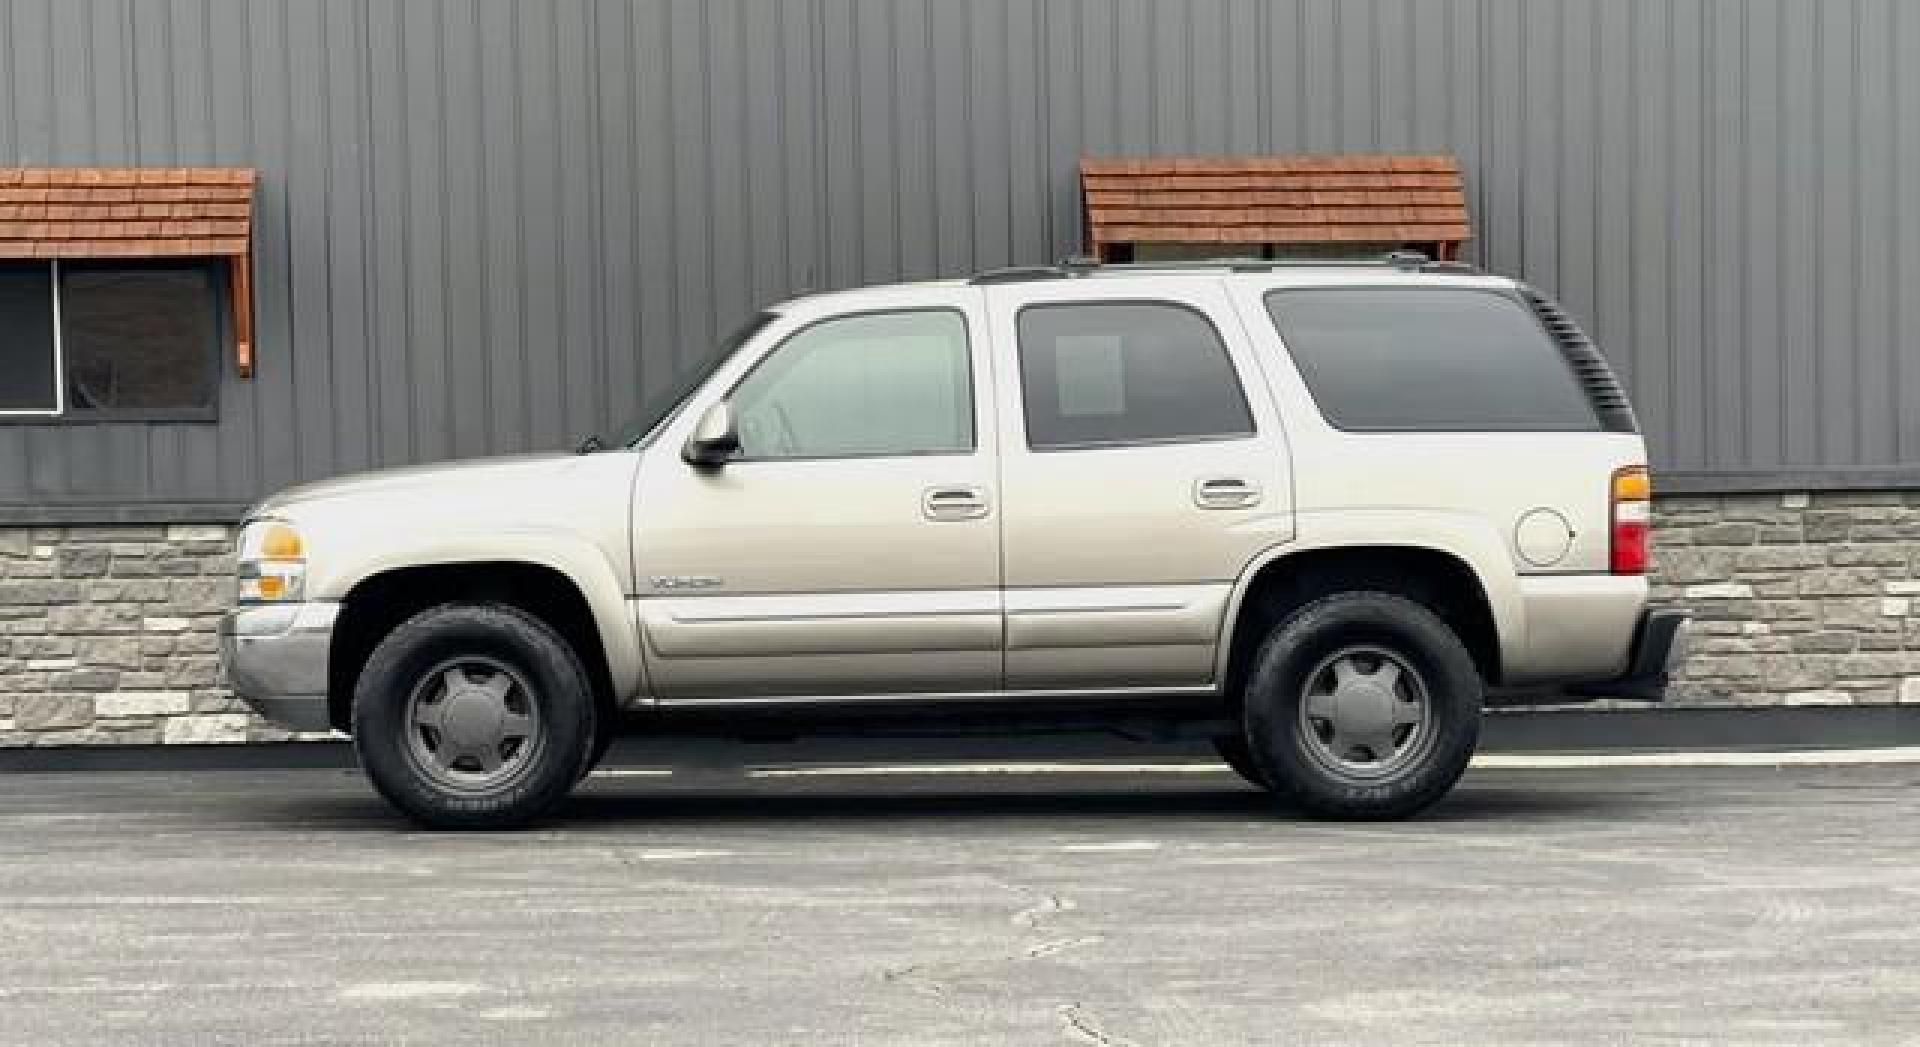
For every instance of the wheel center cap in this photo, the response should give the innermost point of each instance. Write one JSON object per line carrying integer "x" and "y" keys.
{"x": 1365, "y": 708}
{"x": 472, "y": 719}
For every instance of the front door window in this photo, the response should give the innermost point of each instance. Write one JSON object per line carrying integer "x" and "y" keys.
{"x": 877, "y": 384}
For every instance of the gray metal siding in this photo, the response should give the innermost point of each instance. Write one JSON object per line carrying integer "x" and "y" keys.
{"x": 488, "y": 225}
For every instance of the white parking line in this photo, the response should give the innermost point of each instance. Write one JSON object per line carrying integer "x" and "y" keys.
{"x": 878, "y": 770}
{"x": 1772, "y": 758}
{"x": 1485, "y": 761}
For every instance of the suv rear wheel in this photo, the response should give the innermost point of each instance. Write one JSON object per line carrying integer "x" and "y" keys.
{"x": 473, "y": 716}
{"x": 1362, "y": 705}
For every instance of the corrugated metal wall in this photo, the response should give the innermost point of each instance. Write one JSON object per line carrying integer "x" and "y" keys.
{"x": 490, "y": 225}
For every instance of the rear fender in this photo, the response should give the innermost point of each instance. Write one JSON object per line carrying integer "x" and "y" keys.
{"x": 1462, "y": 536}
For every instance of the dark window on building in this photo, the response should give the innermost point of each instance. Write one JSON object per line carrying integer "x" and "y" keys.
{"x": 27, "y": 365}
{"x": 126, "y": 340}
{"x": 139, "y": 339}
{"x": 1435, "y": 359}
{"x": 1105, "y": 373}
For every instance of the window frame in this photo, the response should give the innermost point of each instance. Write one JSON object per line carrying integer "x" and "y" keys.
{"x": 215, "y": 348}
{"x": 1226, "y": 352}
{"x": 973, "y": 391}
{"x": 35, "y": 415}
{"x": 1266, "y": 299}
{"x": 67, "y": 414}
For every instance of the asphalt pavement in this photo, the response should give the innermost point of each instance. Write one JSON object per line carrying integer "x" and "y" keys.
{"x": 1040, "y": 904}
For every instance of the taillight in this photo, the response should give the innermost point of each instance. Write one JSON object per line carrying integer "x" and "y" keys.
{"x": 1632, "y": 512}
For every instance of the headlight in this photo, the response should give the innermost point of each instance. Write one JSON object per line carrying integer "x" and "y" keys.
{"x": 271, "y": 562}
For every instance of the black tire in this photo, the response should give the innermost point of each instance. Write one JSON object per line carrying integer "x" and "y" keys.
{"x": 1235, "y": 754}
{"x": 1296, "y": 754}
{"x": 548, "y": 682}
{"x": 602, "y": 741}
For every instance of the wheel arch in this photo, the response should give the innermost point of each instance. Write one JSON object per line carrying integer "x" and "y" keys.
{"x": 1436, "y": 577}
{"x": 587, "y": 616}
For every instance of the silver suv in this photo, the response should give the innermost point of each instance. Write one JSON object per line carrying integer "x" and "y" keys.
{"x": 1316, "y": 513}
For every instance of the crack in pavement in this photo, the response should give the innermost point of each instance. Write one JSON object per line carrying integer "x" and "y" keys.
{"x": 1080, "y": 1025}
{"x": 1031, "y": 916}
{"x": 918, "y": 976}
{"x": 1076, "y": 1018}
{"x": 913, "y": 976}
{"x": 1060, "y": 945}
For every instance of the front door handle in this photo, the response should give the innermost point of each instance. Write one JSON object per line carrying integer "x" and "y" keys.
{"x": 1225, "y": 492}
{"x": 954, "y": 503}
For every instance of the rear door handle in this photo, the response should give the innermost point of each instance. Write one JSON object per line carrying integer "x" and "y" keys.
{"x": 1225, "y": 492}
{"x": 953, "y": 503}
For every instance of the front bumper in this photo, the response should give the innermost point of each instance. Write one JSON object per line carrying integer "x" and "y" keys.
{"x": 275, "y": 657}
{"x": 1659, "y": 649}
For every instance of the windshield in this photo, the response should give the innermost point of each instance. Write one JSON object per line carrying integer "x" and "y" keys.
{"x": 663, "y": 404}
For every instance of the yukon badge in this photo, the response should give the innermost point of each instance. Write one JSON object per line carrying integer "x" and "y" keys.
{"x": 686, "y": 581}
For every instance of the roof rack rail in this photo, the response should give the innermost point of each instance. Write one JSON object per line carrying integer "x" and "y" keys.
{"x": 1080, "y": 265}
{"x": 1019, "y": 274}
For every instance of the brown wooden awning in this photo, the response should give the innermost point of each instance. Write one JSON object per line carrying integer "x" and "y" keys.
{"x": 1275, "y": 200}
{"x": 137, "y": 212}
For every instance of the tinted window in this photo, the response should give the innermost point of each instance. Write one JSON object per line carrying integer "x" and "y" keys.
{"x": 1125, "y": 372}
{"x": 891, "y": 383}
{"x": 26, "y": 338}
{"x": 140, "y": 339}
{"x": 1427, "y": 358}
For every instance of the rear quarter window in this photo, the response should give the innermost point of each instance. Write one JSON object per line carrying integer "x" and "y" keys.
{"x": 1429, "y": 359}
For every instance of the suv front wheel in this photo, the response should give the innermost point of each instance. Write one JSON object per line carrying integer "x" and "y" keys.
{"x": 474, "y": 716}
{"x": 1362, "y": 705}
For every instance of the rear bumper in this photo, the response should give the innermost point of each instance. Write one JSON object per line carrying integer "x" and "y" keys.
{"x": 1573, "y": 627}
{"x": 275, "y": 657}
{"x": 1659, "y": 649}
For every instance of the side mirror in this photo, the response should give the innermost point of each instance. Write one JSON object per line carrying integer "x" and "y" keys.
{"x": 715, "y": 439}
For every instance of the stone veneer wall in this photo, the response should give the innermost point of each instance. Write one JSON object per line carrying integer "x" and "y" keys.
{"x": 1798, "y": 599}
{"x": 108, "y": 634}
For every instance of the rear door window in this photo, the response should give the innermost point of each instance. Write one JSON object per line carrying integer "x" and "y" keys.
{"x": 1104, "y": 374}
{"x": 1428, "y": 358}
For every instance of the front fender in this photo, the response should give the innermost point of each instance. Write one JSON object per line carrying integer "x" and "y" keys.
{"x": 572, "y": 556}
